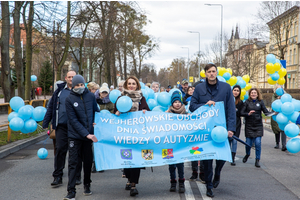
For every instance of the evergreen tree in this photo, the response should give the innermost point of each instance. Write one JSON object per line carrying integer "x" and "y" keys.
{"x": 46, "y": 77}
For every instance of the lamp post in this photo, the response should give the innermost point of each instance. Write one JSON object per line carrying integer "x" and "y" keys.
{"x": 188, "y": 64}
{"x": 221, "y": 28}
{"x": 199, "y": 49}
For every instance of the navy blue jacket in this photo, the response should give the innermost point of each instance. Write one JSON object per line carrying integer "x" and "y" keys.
{"x": 52, "y": 108}
{"x": 202, "y": 95}
{"x": 81, "y": 113}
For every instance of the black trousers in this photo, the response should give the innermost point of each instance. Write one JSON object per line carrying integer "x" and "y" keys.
{"x": 77, "y": 147}
{"x": 195, "y": 166}
{"x": 61, "y": 149}
{"x": 208, "y": 171}
{"x": 133, "y": 174}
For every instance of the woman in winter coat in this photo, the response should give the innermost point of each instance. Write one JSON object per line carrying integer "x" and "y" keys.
{"x": 236, "y": 91}
{"x": 254, "y": 129}
{"x": 132, "y": 89}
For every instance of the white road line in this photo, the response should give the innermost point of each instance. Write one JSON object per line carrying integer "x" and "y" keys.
{"x": 188, "y": 191}
{"x": 202, "y": 190}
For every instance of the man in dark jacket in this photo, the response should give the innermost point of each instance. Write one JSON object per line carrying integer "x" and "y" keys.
{"x": 81, "y": 107}
{"x": 207, "y": 93}
{"x": 56, "y": 114}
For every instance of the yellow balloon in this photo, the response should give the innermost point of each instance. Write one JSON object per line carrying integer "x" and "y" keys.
{"x": 229, "y": 70}
{"x": 271, "y": 82}
{"x": 219, "y": 69}
{"x": 242, "y": 97}
{"x": 222, "y": 71}
{"x": 246, "y": 78}
{"x": 281, "y": 81}
{"x": 282, "y": 72}
{"x": 277, "y": 66}
{"x": 248, "y": 86}
{"x": 202, "y": 73}
{"x": 233, "y": 80}
{"x": 243, "y": 92}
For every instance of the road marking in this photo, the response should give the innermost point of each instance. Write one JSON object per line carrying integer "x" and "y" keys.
{"x": 202, "y": 190}
{"x": 188, "y": 191}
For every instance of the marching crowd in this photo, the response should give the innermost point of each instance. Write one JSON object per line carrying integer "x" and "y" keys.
{"x": 72, "y": 108}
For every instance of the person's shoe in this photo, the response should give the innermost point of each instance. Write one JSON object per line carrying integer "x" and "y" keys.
{"x": 181, "y": 186}
{"x": 233, "y": 163}
{"x": 93, "y": 168}
{"x": 277, "y": 146}
{"x": 257, "y": 163}
{"x": 128, "y": 186}
{"x": 233, "y": 159}
{"x": 283, "y": 148}
{"x": 202, "y": 177}
{"x": 209, "y": 193}
{"x": 245, "y": 158}
{"x": 56, "y": 182}
{"x": 216, "y": 181}
{"x": 194, "y": 176}
{"x": 78, "y": 182}
{"x": 173, "y": 186}
{"x": 87, "y": 190}
{"x": 70, "y": 196}
{"x": 133, "y": 191}
{"x": 101, "y": 171}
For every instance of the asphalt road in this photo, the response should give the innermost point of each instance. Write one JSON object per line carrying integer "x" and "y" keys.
{"x": 24, "y": 176}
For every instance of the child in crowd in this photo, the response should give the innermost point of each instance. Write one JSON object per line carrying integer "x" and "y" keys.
{"x": 177, "y": 107}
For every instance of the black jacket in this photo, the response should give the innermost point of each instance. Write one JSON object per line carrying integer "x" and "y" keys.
{"x": 254, "y": 125}
{"x": 81, "y": 113}
{"x": 238, "y": 108}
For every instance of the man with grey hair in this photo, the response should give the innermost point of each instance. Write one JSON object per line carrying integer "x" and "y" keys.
{"x": 120, "y": 85}
{"x": 155, "y": 87}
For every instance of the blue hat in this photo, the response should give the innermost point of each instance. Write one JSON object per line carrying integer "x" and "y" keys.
{"x": 176, "y": 96}
{"x": 77, "y": 79}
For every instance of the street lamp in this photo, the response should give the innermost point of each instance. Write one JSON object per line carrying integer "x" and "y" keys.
{"x": 221, "y": 28}
{"x": 199, "y": 49}
{"x": 188, "y": 79}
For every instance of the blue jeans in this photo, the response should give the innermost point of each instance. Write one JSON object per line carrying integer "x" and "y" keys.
{"x": 257, "y": 141}
{"x": 233, "y": 144}
{"x": 180, "y": 169}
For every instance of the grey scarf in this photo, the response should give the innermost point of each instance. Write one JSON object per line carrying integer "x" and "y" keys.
{"x": 135, "y": 96}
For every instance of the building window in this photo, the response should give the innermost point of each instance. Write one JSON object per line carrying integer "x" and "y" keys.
{"x": 290, "y": 60}
{"x": 294, "y": 83}
{"x": 295, "y": 56}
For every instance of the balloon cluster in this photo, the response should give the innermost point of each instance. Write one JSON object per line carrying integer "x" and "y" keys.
{"x": 225, "y": 75}
{"x": 288, "y": 110}
{"x": 275, "y": 70}
{"x": 25, "y": 117}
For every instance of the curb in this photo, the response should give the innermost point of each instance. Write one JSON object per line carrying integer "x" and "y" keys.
{"x": 21, "y": 144}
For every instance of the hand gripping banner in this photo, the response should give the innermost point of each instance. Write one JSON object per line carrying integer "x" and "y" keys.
{"x": 135, "y": 139}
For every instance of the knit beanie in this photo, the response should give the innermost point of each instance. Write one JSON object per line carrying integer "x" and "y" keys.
{"x": 77, "y": 79}
{"x": 176, "y": 96}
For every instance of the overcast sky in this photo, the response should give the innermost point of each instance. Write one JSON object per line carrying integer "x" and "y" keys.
{"x": 171, "y": 21}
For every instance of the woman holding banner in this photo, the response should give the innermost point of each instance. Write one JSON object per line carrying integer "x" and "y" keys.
{"x": 132, "y": 89}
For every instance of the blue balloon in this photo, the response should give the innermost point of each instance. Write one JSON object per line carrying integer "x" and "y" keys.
{"x": 291, "y": 130}
{"x": 25, "y": 112}
{"x": 124, "y": 104}
{"x": 38, "y": 113}
{"x": 286, "y": 98}
{"x": 33, "y": 77}
{"x": 275, "y": 76}
{"x": 30, "y": 125}
{"x": 145, "y": 93}
{"x": 152, "y": 103}
{"x": 16, "y": 123}
{"x": 104, "y": 111}
{"x": 277, "y": 61}
{"x": 151, "y": 94}
{"x": 296, "y": 104}
{"x": 279, "y": 91}
{"x": 24, "y": 130}
{"x": 42, "y": 153}
{"x": 12, "y": 115}
{"x": 164, "y": 99}
{"x": 271, "y": 58}
{"x": 160, "y": 109}
{"x": 276, "y": 105}
{"x": 220, "y": 78}
{"x": 219, "y": 134}
{"x": 274, "y": 117}
{"x": 242, "y": 83}
{"x": 293, "y": 117}
{"x": 282, "y": 126}
{"x": 282, "y": 119}
{"x": 113, "y": 95}
{"x": 16, "y": 103}
{"x": 226, "y": 76}
{"x": 246, "y": 96}
{"x": 293, "y": 145}
{"x": 287, "y": 108}
{"x": 173, "y": 90}
{"x": 142, "y": 85}
{"x": 239, "y": 78}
